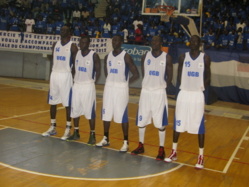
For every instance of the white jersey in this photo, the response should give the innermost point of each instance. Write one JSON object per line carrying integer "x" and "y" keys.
{"x": 193, "y": 73}
{"x": 84, "y": 68}
{"x": 154, "y": 71}
{"x": 62, "y": 57}
{"x": 118, "y": 72}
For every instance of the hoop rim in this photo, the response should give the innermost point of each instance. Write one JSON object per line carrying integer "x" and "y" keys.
{"x": 168, "y": 10}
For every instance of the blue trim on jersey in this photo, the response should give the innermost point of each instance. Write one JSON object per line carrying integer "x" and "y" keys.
{"x": 70, "y": 98}
{"x": 125, "y": 116}
{"x": 165, "y": 117}
{"x": 174, "y": 125}
{"x": 126, "y": 72}
{"x": 137, "y": 117}
{"x": 202, "y": 126}
{"x": 48, "y": 96}
{"x": 93, "y": 115}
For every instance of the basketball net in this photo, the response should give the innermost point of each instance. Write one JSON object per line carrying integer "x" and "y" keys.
{"x": 166, "y": 12}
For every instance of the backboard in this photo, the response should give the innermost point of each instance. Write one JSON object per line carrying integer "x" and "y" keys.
{"x": 182, "y": 7}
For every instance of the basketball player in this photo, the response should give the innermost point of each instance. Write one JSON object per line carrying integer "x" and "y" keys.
{"x": 61, "y": 80}
{"x": 87, "y": 71}
{"x": 193, "y": 76}
{"x": 157, "y": 71}
{"x": 117, "y": 65}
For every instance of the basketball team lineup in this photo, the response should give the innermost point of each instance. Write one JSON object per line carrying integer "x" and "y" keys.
{"x": 72, "y": 131}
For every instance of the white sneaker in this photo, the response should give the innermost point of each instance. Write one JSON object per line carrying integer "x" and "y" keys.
{"x": 173, "y": 156}
{"x": 66, "y": 134}
{"x": 200, "y": 162}
{"x": 50, "y": 132}
{"x": 125, "y": 147}
{"x": 103, "y": 142}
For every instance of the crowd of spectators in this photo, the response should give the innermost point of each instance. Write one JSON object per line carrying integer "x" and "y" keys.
{"x": 225, "y": 23}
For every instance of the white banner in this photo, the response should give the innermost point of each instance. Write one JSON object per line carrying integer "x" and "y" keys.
{"x": 42, "y": 43}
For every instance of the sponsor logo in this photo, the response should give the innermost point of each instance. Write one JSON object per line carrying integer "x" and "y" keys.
{"x": 136, "y": 52}
{"x": 193, "y": 74}
{"x": 154, "y": 73}
{"x": 83, "y": 69}
{"x": 61, "y": 58}
{"x": 115, "y": 71}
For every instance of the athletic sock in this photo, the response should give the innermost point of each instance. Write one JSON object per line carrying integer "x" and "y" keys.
{"x": 68, "y": 124}
{"x": 141, "y": 134}
{"x": 201, "y": 151}
{"x": 174, "y": 146}
{"x": 53, "y": 122}
{"x": 161, "y": 137}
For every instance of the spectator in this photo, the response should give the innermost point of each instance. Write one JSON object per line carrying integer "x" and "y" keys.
{"x": 29, "y": 22}
{"x": 50, "y": 26}
{"x": 40, "y": 26}
{"x": 76, "y": 13}
{"x": 139, "y": 34}
{"x": 58, "y": 25}
{"x": 106, "y": 30}
{"x": 85, "y": 14}
{"x": 223, "y": 40}
{"x": 4, "y": 21}
{"x": 232, "y": 40}
{"x": 209, "y": 39}
{"x": 14, "y": 23}
{"x": 137, "y": 21}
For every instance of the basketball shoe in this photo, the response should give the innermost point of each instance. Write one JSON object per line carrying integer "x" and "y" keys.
{"x": 125, "y": 147}
{"x": 161, "y": 153}
{"x": 103, "y": 142}
{"x": 200, "y": 162}
{"x": 66, "y": 133}
{"x": 173, "y": 156}
{"x": 139, "y": 149}
{"x": 92, "y": 139}
{"x": 74, "y": 136}
{"x": 50, "y": 132}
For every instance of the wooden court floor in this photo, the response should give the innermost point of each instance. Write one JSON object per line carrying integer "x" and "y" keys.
{"x": 23, "y": 106}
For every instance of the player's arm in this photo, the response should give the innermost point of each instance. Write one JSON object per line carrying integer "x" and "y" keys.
{"x": 169, "y": 70}
{"x": 105, "y": 66}
{"x": 74, "y": 50}
{"x": 132, "y": 68}
{"x": 96, "y": 61}
{"x": 179, "y": 71}
{"x": 53, "y": 46}
{"x": 142, "y": 63}
{"x": 207, "y": 71}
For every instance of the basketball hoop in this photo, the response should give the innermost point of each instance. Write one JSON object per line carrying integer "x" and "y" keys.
{"x": 166, "y": 12}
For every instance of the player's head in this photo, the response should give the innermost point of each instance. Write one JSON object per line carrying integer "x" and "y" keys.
{"x": 195, "y": 42}
{"x": 156, "y": 43}
{"x": 84, "y": 42}
{"x": 117, "y": 41}
{"x": 65, "y": 32}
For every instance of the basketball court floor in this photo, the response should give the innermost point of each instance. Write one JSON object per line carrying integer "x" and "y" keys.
{"x": 28, "y": 159}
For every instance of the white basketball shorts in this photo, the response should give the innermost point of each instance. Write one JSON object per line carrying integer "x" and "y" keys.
{"x": 153, "y": 104}
{"x": 189, "y": 113}
{"x": 83, "y": 100}
{"x": 115, "y": 104}
{"x": 60, "y": 88}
